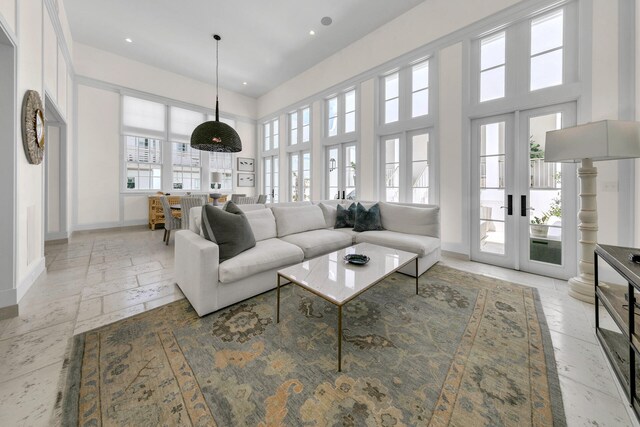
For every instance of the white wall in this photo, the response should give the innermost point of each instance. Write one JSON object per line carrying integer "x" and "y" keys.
{"x": 37, "y": 51}
{"x": 102, "y": 76}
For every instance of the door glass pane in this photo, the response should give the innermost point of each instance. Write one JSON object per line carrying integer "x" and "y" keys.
{"x": 492, "y": 188}
{"x": 294, "y": 167}
{"x": 420, "y": 170}
{"x": 275, "y": 180}
{"x": 333, "y": 173}
{"x": 350, "y": 172}
{"x": 267, "y": 178}
{"x": 306, "y": 176}
{"x": 392, "y": 169}
{"x": 545, "y": 194}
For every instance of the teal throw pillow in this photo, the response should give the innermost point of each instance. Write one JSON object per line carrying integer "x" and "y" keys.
{"x": 367, "y": 219}
{"x": 345, "y": 218}
{"x": 229, "y": 228}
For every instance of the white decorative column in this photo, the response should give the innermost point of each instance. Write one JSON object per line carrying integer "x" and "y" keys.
{"x": 582, "y": 286}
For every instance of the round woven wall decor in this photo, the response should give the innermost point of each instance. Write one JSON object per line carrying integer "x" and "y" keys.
{"x": 33, "y": 127}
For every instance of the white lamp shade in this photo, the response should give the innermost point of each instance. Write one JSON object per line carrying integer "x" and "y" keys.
{"x": 216, "y": 177}
{"x": 604, "y": 140}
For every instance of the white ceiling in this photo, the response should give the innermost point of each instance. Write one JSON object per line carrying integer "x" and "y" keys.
{"x": 264, "y": 42}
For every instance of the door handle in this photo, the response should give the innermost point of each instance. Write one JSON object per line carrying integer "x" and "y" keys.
{"x": 509, "y": 206}
{"x": 342, "y": 194}
{"x": 523, "y": 206}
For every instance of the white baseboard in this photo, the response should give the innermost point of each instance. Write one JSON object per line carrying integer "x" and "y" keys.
{"x": 113, "y": 224}
{"x": 458, "y": 248}
{"x": 59, "y": 235}
{"x": 8, "y": 298}
{"x": 31, "y": 277}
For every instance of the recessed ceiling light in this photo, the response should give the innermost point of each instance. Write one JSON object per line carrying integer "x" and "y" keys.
{"x": 326, "y": 21}
{"x": 312, "y": 33}
{"x": 244, "y": 83}
{"x": 128, "y": 40}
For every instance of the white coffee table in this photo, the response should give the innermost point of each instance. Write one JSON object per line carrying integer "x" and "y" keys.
{"x": 338, "y": 282}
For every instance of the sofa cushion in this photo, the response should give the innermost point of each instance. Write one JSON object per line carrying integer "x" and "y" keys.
{"x": 329, "y": 213}
{"x": 265, "y": 255}
{"x": 291, "y": 220}
{"x": 367, "y": 219}
{"x": 319, "y": 242}
{"x": 345, "y": 217}
{"x": 349, "y": 232}
{"x": 262, "y": 223}
{"x": 195, "y": 220}
{"x": 230, "y": 229}
{"x": 412, "y": 220}
{"x": 421, "y": 245}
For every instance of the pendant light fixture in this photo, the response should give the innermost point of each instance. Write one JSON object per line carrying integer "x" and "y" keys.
{"x": 215, "y": 135}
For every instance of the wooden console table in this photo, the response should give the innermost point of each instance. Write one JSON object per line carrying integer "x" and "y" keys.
{"x": 621, "y": 343}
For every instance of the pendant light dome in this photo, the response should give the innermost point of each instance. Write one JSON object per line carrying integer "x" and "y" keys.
{"x": 215, "y": 135}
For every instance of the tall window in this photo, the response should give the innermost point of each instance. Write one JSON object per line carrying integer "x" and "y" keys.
{"x": 271, "y": 135}
{"x": 392, "y": 169}
{"x": 186, "y": 162}
{"x": 299, "y": 126}
{"x": 492, "y": 67}
{"x": 340, "y": 114}
{"x": 222, "y": 163}
{"x": 144, "y": 128}
{"x": 300, "y": 176}
{"x": 405, "y": 93}
{"x": 144, "y": 163}
{"x": 547, "y": 50}
{"x": 186, "y": 167}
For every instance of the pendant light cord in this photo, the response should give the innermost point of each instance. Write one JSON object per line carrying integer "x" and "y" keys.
{"x": 217, "y": 39}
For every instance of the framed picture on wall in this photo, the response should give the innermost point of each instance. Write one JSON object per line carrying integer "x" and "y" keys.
{"x": 246, "y": 180}
{"x": 246, "y": 164}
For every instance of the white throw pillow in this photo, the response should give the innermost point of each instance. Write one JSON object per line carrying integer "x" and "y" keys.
{"x": 291, "y": 220}
{"x": 330, "y": 213}
{"x": 411, "y": 220}
{"x": 262, "y": 223}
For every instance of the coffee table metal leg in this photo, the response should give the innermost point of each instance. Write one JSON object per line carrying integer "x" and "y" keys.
{"x": 278, "y": 303}
{"x": 416, "y": 276}
{"x": 339, "y": 338}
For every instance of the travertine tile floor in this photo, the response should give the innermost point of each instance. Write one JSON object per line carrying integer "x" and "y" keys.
{"x": 100, "y": 277}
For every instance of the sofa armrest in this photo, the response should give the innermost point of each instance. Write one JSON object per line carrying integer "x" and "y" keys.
{"x": 196, "y": 269}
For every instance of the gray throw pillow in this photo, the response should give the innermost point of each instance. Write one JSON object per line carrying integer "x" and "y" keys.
{"x": 368, "y": 219}
{"x": 345, "y": 218}
{"x": 230, "y": 230}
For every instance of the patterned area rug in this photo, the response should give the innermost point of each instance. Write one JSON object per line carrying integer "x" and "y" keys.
{"x": 468, "y": 350}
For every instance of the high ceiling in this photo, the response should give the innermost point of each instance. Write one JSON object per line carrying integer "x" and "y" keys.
{"x": 264, "y": 43}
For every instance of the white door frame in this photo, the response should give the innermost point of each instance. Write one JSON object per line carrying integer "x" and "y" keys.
{"x": 517, "y": 238}
{"x": 54, "y": 119}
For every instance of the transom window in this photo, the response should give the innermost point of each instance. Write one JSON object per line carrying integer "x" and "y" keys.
{"x": 405, "y": 93}
{"x": 299, "y": 126}
{"x": 341, "y": 114}
{"x": 492, "y": 67}
{"x": 547, "y": 40}
{"x": 507, "y": 71}
{"x": 271, "y": 135}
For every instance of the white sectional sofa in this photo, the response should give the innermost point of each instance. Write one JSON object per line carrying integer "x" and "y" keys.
{"x": 288, "y": 233}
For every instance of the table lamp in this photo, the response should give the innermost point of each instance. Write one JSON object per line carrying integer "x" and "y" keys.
{"x": 216, "y": 179}
{"x": 603, "y": 140}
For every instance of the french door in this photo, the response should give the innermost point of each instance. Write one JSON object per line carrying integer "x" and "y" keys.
{"x": 405, "y": 167}
{"x": 523, "y": 210}
{"x": 343, "y": 167}
{"x": 271, "y": 177}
